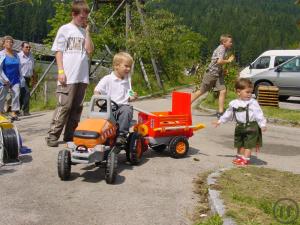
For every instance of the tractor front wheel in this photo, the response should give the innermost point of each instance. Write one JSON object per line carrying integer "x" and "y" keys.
{"x": 64, "y": 164}
{"x": 111, "y": 167}
{"x": 179, "y": 147}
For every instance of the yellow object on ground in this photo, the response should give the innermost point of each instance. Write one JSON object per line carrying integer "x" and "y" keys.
{"x": 5, "y": 123}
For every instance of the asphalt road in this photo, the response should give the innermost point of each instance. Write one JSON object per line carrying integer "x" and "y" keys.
{"x": 159, "y": 191}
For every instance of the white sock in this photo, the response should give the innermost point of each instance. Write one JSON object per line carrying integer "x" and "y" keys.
{"x": 246, "y": 158}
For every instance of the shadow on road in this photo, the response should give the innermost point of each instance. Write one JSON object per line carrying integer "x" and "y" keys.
{"x": 4, "y": 171}
{"x": 256, "y": 161}
{"x": 153, "y": 154}
{"x": 281, "y": 150}
{"x": 253, "y": 161}
{"x": 267, "y": 148}
{"x": 32, "y": 116}
{"x": 25, "y": 158}
{"x": 96, "y": 173}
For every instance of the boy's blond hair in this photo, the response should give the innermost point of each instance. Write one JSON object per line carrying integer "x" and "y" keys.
{"x": 243, "y": 83}
{"x": 225, "y": 37}
{"x": 79, "y": 6}
{"x": 120, "y": 57}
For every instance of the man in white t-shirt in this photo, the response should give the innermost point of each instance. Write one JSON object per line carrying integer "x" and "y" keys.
{"x": 72, "y": 45}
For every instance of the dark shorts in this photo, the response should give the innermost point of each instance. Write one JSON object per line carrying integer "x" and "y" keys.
{"x": 211, "y": 80}
{"x": 247, "y": 136}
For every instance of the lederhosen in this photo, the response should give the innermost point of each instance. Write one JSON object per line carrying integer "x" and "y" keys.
{"x": 247, "y": 135}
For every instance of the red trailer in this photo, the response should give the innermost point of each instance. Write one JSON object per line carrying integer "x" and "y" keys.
{"x": 162, "y": 130}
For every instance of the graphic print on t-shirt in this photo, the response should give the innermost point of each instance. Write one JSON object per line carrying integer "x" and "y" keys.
{"x": 75, "y": 44}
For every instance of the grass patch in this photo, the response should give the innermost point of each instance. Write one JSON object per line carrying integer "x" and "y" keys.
{"x": 250, "y": 193}
{"x": 270, "y": 112}
{"x": 201, "y": 189}
{"x": 214, "y": 220}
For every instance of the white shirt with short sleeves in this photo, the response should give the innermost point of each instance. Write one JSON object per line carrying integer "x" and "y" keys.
{"x": 116, "y": 88}
{"x": 27, "y": 64}
{"x": 70, "y": 40}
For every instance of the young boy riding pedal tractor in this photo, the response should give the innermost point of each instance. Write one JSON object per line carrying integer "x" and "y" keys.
{"x": 95, "y": 141}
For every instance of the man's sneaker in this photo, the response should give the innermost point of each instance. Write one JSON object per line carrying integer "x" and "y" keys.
{"x": 51, "y": 142}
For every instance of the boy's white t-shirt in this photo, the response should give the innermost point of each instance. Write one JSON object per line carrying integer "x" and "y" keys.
{"x": 116, "y": 88}
{"x": 70, "y": 40}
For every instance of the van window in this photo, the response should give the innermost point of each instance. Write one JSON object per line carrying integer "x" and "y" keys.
{"x": 281, "y": 59}
{"x": 262, "y": 62}
{"x": 292, "y": 66}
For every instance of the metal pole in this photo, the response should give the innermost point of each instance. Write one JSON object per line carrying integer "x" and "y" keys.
{"x": 145, "y": 74}
{"x": 114, "y": 13}
{"x": 42, "y": 77}
{"x": 128, "y": 20}
{"x": 45, "y": 93}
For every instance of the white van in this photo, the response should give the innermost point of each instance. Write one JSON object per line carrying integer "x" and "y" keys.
{"x": 268, "y": 60}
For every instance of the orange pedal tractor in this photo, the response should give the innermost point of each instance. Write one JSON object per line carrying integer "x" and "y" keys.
{"x": 94, "y": 140}
{"x": 172, "y": 129}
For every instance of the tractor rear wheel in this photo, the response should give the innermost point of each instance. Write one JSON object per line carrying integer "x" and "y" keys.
{"x": 179, "y": 147}
{"x": 64, "y": 164}
{"x": 136, "y": 148}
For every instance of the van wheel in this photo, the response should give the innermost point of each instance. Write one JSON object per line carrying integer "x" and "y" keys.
{"x": 263, "y": 83}
{"x": 283, "y": 98}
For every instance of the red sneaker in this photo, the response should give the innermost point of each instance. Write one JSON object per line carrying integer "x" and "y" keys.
{"x": 237, "y": 160}
{"x": 242, "y": 162}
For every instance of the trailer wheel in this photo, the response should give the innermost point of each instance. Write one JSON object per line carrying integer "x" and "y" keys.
{"x": 111, "y": 167}
{"x": 136, "y": 148}
{"x": 64, "y": 164}
{"x": 159, "y": 148}
{"x": 179, "y": 147}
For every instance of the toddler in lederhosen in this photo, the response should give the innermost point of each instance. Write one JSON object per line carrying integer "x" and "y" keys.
{"x": 250, "y": 121}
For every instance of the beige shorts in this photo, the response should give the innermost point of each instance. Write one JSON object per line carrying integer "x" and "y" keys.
{"x": 210, "y": 81}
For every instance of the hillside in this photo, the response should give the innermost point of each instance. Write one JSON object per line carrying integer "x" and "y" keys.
{"x": 256, "y": 25}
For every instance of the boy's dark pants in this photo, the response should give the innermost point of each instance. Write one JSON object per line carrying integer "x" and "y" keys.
{"x": 124, "y": 117}
{"x": 68, "y": 111}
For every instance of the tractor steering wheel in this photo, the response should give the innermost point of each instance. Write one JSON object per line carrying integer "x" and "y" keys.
{"x": 101, "y": 103}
